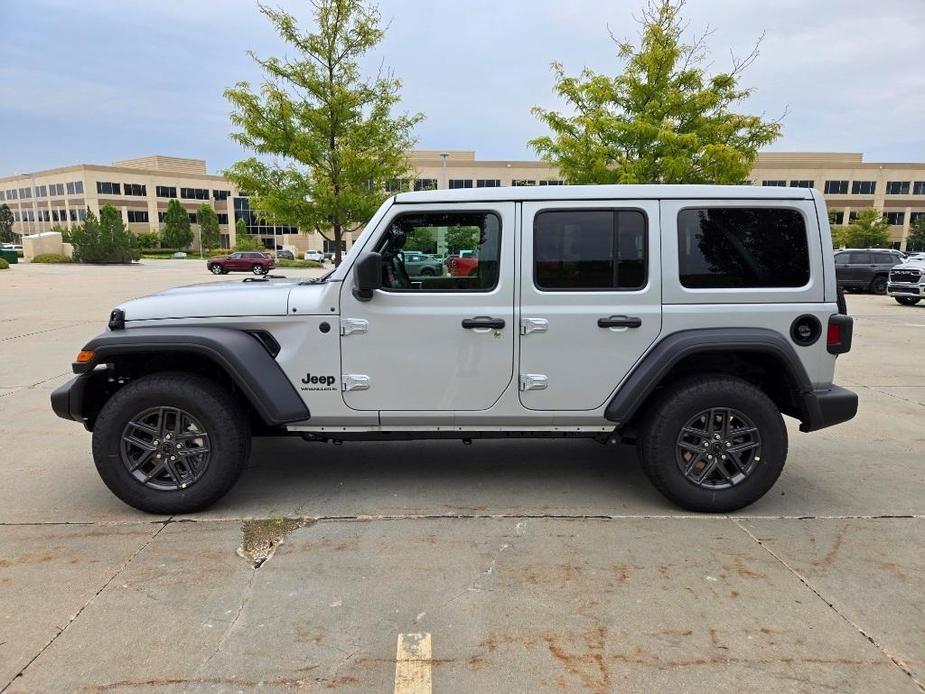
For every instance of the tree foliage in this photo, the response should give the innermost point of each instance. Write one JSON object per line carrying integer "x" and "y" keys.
{"x": 6, "y": 224}
{"x": 176, "y": 232}
{"x": 210, "y": 235}
{"x": 247, "y": 242}
{"x": 869, "y": 230}
{"x": 326, "y": 139}
{"x": 916, "y": 239}
{"x": 663, "y": 119}
{"x": 103, "y": 240}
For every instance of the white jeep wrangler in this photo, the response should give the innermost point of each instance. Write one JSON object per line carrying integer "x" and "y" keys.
{"x": 686, "y": 319}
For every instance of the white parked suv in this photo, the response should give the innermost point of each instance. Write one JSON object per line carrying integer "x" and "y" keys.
{"x": 685, "y": 319}
{"x": 317, "y": 256}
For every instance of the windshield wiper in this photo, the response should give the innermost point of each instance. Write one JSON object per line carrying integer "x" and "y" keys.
{"x": 319, "y": 280}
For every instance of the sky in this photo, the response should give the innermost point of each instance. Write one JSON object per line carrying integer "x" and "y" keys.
{"x": 92, "y": 81}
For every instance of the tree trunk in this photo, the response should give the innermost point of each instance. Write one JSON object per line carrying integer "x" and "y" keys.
{"x": 338, "y": 234}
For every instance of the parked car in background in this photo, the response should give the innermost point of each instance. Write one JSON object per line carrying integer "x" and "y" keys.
{"x": 907, "y": 281}
{"x": 317, "y": 256}
{"x": 865, "y": 269}
{"x": 242, "y": 261}
{"x": 285, "y": 255}
{"x": 463, "y": 265}
{"x": 419, "y": 264}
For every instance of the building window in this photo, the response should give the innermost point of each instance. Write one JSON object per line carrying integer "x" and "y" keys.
{"x": 836, "y": 218}
{"x": 918, "y": 188}
{"x": 161, "y": 216}
{"x": 222, "y": 217}
{"x": 425, "y": 184}
{"x": 54, "y": 216}
{"x": 522, "y": 182}
{"x": 13, "y": 194}
{"x": 192, "y": 217}
{"x": 895, "y": 218}
{"x": 16, "y": 216}
{"x": 137, "y": 216}
{"x": 75, "y": 187}
{"x": 166, "y": 191}
{"x": 41, "y": 191}
{"x": 2, "y": 195}
{"x": 136, "y": 189}
{"x": 396, "y": 185}
{"x": 863, "y": 187}
{"x": 774, "y": 184}
{"x": 45, "y": 215}
{"x": 220, "y": 194}
{"x": 897, "y": 187}
{"x": 589, "y": 249}
{"x": 836, "y": 188}
{"x": 488, "y": 183}
{"x": 739, "y": 247}
{"x": 194, "y": 193}
{"x": 330, "y": 247}
{"x": 551, "y": 182}
{"x": 73, "y": 215}
{"x": 25, "y": 193}
{"x": 56, "y": 189}
{"x": 852, "y": 217}
{"x": 456, "y": 183}
{"x": 916, "y": 217}
{"x": 802, "y": 183}
{"x": 107, "y": 188}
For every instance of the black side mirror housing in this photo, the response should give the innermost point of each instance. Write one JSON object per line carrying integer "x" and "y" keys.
{"x": 367, "y": 275}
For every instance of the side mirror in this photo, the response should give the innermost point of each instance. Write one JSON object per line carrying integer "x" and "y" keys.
{"x": 367, "y": 275}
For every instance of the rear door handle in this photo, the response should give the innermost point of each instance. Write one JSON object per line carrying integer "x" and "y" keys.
{"x": 619, "y": 322}
{"x": 483, "y": 322}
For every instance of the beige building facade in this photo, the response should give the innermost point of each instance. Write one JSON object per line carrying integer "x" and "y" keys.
{"x": 141, "y": 189}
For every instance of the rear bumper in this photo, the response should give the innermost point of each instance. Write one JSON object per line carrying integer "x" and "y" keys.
{"x": 826, "y": 407}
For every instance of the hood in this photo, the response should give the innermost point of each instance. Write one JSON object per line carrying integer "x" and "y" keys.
{"x": 916, "y": 263}
{"x": 213, "y": 299}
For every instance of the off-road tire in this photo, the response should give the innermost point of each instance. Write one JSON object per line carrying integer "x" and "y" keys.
{"x": 906, "y": 300}
{"x": 221, "y": 416}
{"x": 878, "y": 286}
{"x": 682, "y": 400}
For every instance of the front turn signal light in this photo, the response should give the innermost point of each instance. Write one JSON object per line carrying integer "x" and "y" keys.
{"x": 85, "y": 356}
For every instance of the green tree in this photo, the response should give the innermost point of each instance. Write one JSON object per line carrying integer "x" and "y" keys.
{"x": 869, "y": 230}
{"x": 461, "y": 239}
{"x": 663, "y": 119}
{"x": 103, "y": 240}
{"x": 176, "y": 232}
{"x": 916, "y": 239}
{"x": 209, "y": 233}
{"x": 327, "y": 139}
{"x": 247, "y": 242}
{"x": 6, "y": 224}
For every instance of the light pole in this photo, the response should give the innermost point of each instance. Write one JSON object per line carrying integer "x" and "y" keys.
{"x": 444, "y": 156}
{"x": 35, "y": 206}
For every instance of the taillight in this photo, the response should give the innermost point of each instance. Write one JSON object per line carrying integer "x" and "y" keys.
{"x": 834, "y": 336}
{"x": 839, "y": 333}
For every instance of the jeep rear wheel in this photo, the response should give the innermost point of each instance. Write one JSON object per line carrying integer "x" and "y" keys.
{"x": 713, "y": 444}
{"x": 171, "y": 443}
{"x": 906, "y": 300}
{"x": 878, "y": 286}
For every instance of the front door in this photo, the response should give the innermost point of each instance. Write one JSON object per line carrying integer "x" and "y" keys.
{"x": 590, "y": 285}
{"x": 433, "y": 342}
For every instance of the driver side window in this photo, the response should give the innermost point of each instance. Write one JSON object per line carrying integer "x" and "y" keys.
{"x": 441, "y": 251}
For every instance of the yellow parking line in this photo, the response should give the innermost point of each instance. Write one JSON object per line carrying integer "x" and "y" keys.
{"x": 412, "y": 664}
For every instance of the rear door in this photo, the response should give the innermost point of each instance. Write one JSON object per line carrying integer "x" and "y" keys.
{"x": 591, "y": 299}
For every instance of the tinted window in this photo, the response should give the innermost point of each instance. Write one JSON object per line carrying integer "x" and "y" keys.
{"x": 859, "y": 258}
{"x": 887, "y": 258}
{"x": 589, "y": 249}
{"x": 742, "y": 247}
{"x": 842, "y": 258}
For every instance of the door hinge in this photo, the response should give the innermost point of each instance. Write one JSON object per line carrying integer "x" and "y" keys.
{"x": 349, "y": 326}
{"x": 533, "y": 325}
{"x": 355, "y": 382}
{"x": 533, "y": 382}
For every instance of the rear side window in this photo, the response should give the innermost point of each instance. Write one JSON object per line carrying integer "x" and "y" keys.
{"x": 742, "y": 247}
{"x": 589, "y": 250}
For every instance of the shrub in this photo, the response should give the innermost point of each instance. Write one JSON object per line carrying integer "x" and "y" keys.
{"x": 282, "y": 262}
{"x": 148, "y": 240}
{"x": 4, "y": 265}
{"x": 103, "y": 240}
{"x": 51, "y": 258}
{"x": 247, "y": 242}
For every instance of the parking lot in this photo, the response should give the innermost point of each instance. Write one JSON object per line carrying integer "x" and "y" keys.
{"x": 522, "y": 566}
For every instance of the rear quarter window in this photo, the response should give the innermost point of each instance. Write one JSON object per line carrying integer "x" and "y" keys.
{"x": 742, "y": 247}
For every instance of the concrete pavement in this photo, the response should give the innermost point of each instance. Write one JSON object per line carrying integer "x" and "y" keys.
{"x": 532, "y": 565}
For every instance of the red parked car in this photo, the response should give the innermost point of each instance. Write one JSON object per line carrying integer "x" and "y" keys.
{"x": 243, "y": 261}
{"x": 466, "y": 265}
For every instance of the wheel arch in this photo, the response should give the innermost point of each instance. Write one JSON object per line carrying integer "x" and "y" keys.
{"x": 758, "y": 355}
{"x": 240, "y": 360}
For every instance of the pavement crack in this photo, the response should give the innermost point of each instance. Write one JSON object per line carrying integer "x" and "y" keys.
{"x": 245, "y": 598}
{"x": 73, "y": 618}
{"x": 894, "y": 659}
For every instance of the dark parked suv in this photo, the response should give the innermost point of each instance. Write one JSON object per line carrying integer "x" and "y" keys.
{"x": 244, "y": 261}
{"x": 865, "y": 269}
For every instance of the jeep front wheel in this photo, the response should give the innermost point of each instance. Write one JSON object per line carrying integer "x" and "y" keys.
{"x": 906, "y": 300}
{"x": 171, "y": 443}
{"x": 713, "y": 444}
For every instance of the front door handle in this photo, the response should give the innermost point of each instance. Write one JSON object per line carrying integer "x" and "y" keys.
{"x": 484, "y": 322}
{"x": 619, "y": 322}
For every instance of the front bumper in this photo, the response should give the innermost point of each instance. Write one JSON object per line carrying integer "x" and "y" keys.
{"x": 826, "y": 407}
{"x": 67, "y": 400}
{"x": 903, "y": 289}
